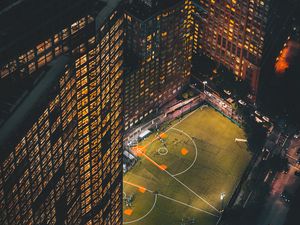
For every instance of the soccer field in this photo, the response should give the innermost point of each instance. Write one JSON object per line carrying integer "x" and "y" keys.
{"x": 183, "y": 171}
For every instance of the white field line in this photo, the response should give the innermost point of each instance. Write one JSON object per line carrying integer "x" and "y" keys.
{"x": 190, "y": 206}
{"x": 196, "y": 154}
{"x": 166, "y": 197}
{"x": 175, "y": 178}
{"x": 144, "y": 216}
{"x": 192, "y": 191}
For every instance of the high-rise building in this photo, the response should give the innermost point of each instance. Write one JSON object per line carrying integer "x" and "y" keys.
{"x": 61, "y": 112}
{"x": 158, "y": 48}
{"x": 232, "y": 33}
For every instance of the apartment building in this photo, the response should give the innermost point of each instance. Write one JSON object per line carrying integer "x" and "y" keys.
{"x": 232, "y": 33}
{"x": 158, "y": 48}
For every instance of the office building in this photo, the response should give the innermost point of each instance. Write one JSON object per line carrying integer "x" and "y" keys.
{"x": 61, "y": 114}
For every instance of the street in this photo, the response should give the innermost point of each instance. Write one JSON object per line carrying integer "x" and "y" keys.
{"x": 276, "y": 209}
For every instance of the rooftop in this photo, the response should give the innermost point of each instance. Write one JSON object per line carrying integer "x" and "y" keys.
{"x": 143, "y": 11}
{"x": 110, "y": 5}
{"x": 25, "y": 23}
{"x": 20, "y": 99}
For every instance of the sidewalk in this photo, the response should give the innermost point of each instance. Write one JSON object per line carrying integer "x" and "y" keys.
{"x": 243, "y": 198}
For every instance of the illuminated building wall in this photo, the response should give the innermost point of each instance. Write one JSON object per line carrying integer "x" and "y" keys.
{"x": 62, "y": 121}
{"x": 159, "y": 49}
{"x": 232, "y": 33}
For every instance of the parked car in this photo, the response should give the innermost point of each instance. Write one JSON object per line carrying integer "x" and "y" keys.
{"x": 208, "y": 93}
{"x": 266, "y": 154}
{"x": 266, "y": 119}
{"x": 298, "y": 151}
{"x": 242, "y": 102}
{"x": 250, "y": 97}
{"x": 227, "y": 92}
{"x": 258, "y": 120}
{"x": 257, "y": 113}
{"x": 286, "y": 196}
{"x": 286, "y": 169}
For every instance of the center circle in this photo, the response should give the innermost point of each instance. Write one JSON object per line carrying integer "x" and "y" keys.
{"x": 176, "y": 144}
{"x": 162, "y": 151}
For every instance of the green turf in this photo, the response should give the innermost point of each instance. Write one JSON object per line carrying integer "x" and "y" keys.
{"x": 219, "y": 165}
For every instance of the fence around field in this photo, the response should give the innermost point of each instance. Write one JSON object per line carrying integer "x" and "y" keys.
{"x": 179, "y": 110}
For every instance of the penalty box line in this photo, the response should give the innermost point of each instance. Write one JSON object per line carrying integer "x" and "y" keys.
{"x": 156, "y": 164}
{"x": 169, "y": 198}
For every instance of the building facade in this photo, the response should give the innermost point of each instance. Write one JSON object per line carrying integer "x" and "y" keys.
{"x": 158, "y": 45}
{"x": 61, "y": 120}
{"x": 232, "y": 33}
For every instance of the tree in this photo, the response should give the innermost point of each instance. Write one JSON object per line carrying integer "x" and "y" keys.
{"x": 185, "y": 95}
{"x": 256, "y": 134}
{"x": 191, "y": 93}
{"x": 277, "y": 163}
{"x": 233, "y": 215}
{"x": 226, "y": 79}
{"x": 279, "y": 93}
